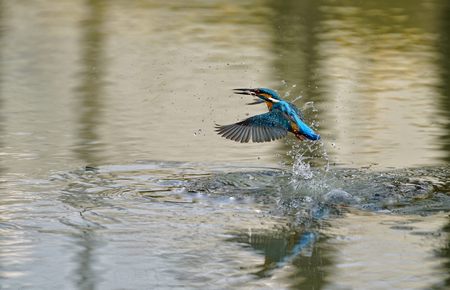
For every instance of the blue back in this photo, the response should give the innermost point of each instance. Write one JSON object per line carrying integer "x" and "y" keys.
{"x": 292, "y": 112}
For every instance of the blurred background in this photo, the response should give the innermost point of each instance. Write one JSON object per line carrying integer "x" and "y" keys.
{"x": 112, "y": 177}
{"x": 106, "y": 82}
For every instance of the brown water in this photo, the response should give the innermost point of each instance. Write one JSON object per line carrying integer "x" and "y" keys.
{"x": 132, "y": 89}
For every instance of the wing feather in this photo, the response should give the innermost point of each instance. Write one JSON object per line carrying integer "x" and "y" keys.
{"x": 260, "y": 128}
{"x": 234, "y": 133}
{"x": 256, "y": 137}
{"x": 246, "y": 135}
{"x": 241, "y": 134}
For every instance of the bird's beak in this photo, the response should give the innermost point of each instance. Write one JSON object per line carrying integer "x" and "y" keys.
{"x": 254, "y": 92}
{"x": 250, "y": 92}
{"x": 256, "y": 102}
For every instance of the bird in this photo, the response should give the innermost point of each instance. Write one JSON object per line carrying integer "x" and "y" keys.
{"x": 282, "y": 117}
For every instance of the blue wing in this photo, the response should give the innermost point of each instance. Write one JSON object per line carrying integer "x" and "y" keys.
{"x": 260, "y": 128}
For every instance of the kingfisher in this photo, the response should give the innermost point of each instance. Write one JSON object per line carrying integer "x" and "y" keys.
{"x": 283, "y": 117}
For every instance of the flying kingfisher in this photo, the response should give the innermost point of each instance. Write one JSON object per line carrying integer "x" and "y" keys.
{"x": 283, "y": 117}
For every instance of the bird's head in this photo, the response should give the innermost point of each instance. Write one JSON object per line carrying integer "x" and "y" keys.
{"x": 265, "y": 95}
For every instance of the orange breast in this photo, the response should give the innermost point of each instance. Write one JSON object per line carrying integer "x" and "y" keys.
{"x": 294, "y": 127}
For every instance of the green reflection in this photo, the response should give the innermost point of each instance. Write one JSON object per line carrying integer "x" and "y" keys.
{"x": 2, "y": 16}
{"x": 90, "y": 91}
{"x": 444, "y": 85}
{"x": 303, "y": 249}
{"x": 311, "y": 270}
{"x": 76, "y": 195}
{"x": 294, "y": 27}
{"x": 2, "y": 267}
{"x": 86, "y": 277}
{"x": 295, "y": 46}
{"x": 2, "y": 9}
{"x": 89, "y": 149}
{"x": 369, "y": 67}
{"x": 444, "y": 252}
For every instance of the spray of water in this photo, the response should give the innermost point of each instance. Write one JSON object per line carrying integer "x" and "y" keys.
{"x": 301, "y": 169}
{"x": 308, "y": 183}
{"x": 308, "y": 154}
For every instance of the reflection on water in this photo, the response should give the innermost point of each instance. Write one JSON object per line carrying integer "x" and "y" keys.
{"x": 91, "y": 77}
{"x": 371, "y": 78}
{"x": 170, "y": 224}
{"x": 444, "y": 85}
{"x": 120, "y": 81}
{"x": 386, "y": 236}
{"x": 110, "y": 82}
{"x": 444, "y": 252}
{"x": 395, "y": 60}
{"x": 304, "y": 250}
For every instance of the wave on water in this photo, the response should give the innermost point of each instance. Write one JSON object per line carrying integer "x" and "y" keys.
{"x": 300, "y": 190}
{"x": 414, "y": 190}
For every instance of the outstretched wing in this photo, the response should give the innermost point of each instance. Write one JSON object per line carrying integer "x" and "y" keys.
{"x": 260, "y": 128}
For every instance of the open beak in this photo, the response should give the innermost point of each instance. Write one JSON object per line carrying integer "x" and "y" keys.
{"x": 256, "y": 102}
{"x": 254, "y": 92}
{"x": 250, "y": 92}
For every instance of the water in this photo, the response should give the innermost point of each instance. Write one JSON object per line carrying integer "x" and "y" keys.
{"x": 112, "y": 177}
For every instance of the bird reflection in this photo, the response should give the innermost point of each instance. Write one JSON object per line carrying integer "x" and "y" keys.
{"x": 302, "y": 249}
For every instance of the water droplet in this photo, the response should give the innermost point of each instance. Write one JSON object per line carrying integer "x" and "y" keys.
{"x": 301, "y": 169}
{"x": 297, "y": 98}
{"x": 198, "y": 132}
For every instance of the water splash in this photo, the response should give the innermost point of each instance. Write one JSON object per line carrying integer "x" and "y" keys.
{"x": 308, "y": 154}
{"x": 297, "y": 98}
{"x": 301, "y": 168}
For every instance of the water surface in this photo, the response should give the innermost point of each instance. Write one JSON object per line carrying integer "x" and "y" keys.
{"x": 112, "y": 177}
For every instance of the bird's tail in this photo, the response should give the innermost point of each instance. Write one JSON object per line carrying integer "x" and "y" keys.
{"x": 306, "y": 131}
